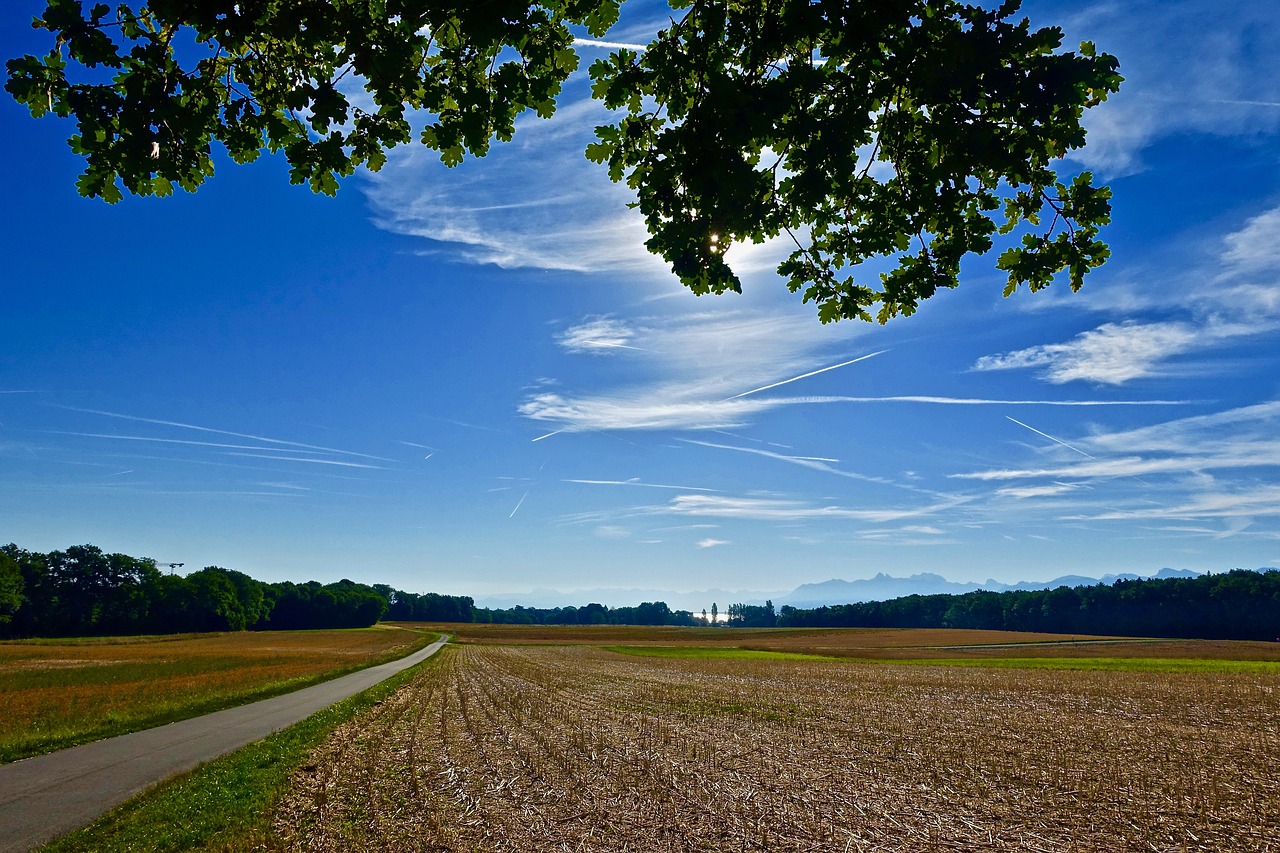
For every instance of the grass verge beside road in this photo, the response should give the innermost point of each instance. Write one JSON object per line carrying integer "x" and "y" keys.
{"x": 226, "y": 805}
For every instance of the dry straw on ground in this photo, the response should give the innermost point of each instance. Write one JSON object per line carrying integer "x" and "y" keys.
{"x": 57, "y": 692}
{"x": 581, "y": 749}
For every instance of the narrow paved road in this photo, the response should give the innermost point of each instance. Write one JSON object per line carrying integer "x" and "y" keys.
{"x": 44, "y": 797}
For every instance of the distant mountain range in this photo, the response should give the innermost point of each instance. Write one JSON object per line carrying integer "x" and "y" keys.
{"x": 879, "y": 588}
{"x": 883, "y": 587}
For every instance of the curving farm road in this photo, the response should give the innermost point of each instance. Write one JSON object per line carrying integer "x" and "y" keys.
{"x": 44, "y": 797}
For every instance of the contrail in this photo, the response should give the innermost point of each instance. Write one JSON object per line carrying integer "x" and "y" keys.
{"x": 222, "y": 432}
{"x": 978, "y": 401}
{"x": 305, "y": 459}
{"x": 548, "y": 435}
{"x": 1051, "y": 438}
{"x": 1245, "y": 103}
{"x": 805, "y": 375}
{"x": 635, "y": 482}
{"x": 520, "y": 504}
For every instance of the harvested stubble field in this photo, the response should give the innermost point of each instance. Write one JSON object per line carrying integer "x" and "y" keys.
{"x": 542, "y": 748}
{"x": 871, "y": 643}
{"x": 56, "y": 693}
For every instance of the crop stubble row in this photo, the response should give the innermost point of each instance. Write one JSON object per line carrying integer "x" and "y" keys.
{"x": 576, "y": 748}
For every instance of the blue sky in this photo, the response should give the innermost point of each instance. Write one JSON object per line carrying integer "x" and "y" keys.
{"x": 477, "y": 381}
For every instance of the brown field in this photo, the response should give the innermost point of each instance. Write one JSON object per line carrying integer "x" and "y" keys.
{"x": 871, "y": 643}
{"x": 542, "y": 748}
{"x": 55, "y": 693}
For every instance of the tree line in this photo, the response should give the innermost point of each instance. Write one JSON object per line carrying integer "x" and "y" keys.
{"x": 645, "y": 613}
{"x": 83, "y": 591}
{"x": 1236, "y": 605}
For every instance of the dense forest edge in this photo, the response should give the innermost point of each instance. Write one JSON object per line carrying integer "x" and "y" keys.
{"x": 83, "y": 591}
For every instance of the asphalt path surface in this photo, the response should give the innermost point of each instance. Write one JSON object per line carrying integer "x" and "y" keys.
{"x": 51, "y": 795}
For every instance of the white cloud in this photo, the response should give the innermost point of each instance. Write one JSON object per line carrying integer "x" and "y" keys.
{"x": 711, "y": 543}
{"x": 1235, "y": 455}
{"x": 1235, "y": 504}
{"x": 635, "y": 481}
{"x": 1213, "y": 467}
{"x": 1197, "y": 66}
{"x": 712, "y": 370}
{"x": 600, "y": 336}
{"x": 1111, "y": 354}
{"x": 781, "y": 509}
{"x": 706, "y": 365}
{"x": 1050, "y": 490}
{"x": 645, "y": 412}
{"x": 562, "y": 213}
{"x": 1116, "y": 353}
{"x": 1256, "y": 246}
{"x": 611, "y": 45}
{"x": 1194, "y": 434}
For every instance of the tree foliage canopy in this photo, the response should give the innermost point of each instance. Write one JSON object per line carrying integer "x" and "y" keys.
{"x": 912, "y": 130}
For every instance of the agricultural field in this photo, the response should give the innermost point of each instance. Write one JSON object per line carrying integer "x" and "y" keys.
{"x": 871, "y": 643}
{"x": 56, "y": 693}
{"x": 696, "y": 746}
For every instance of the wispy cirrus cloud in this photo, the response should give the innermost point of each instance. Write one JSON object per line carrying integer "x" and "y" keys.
{"x": 1215, "y": 467}
{"x": 563, "y": 215}
{"x": 1112, "y": 354}
{"x": 1236, "y": 307}
{"x": 1036, "y": 491}
{"x": 635, "y": 481}
{"x": 612, "y": 45}
{"x": 715, "y": 370}
{"x": 648, "y": 412}
{"x": 766, "y": 508}
{"x": 709, "y": 368}
{"x": 1194, "y": 66}
{"x": 1256, "y": 246}
{"x": 1234, "y": 503}
{"x": 1191, "y": 435}
{"x": 787, "y": 510}
{"x": 815, "y": 463}
{"x": 598, "y": 336}
{"x": 194, "y": 427}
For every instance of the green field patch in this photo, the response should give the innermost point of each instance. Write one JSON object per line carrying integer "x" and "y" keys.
{"x": 711, "y": 653}
{"x": 1261, "y": 667}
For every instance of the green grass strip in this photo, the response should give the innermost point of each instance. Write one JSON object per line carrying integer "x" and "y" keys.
{"x": 711, "y": 652}
{"x": 1262, "y": 667}
{"x": 225, "y": 805}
